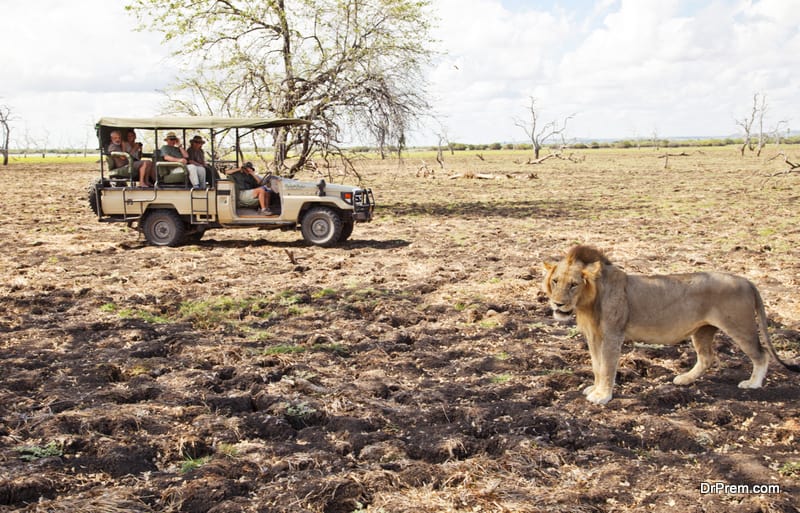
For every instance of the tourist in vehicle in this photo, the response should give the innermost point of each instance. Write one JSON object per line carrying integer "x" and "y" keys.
{"x": 197, "y": 156}
{"x": 251, "y": 193}
{"x": 147, "y": 173}
{"x": 173, "y": 151}
{"x": 134, "y": 149}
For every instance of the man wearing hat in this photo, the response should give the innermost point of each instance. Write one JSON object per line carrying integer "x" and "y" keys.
{"x": 174, "y": 152}
{"x": 251, "y": 194}
{"x": 197, "y": 157}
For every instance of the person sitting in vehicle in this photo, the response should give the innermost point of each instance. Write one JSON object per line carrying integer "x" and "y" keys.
{"x": 134, "y": 149}
{"x": 197, "y": 156}
{"x": 251, "y": 193}
{"x": 174, "y": 152}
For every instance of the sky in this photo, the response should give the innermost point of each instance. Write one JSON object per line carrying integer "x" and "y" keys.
{"x": 623, "y": 69}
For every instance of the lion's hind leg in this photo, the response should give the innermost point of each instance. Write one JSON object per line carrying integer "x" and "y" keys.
{"x": 703, "y": 342}
{"x": 744, "y": 332}
{"x": 759, "y": 357}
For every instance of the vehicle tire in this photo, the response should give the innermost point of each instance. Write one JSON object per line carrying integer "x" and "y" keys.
{"x": 164, "y": 228}
{"x": 93, "y": 196}
{"x": 347, "y": 230}
{"x": 322, "y": 226}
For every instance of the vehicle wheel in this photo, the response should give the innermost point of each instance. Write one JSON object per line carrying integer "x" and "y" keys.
{"x": 93, "y": 196}
{"x": 164, "y": 228}
{"x": 322, "y": 226}
{"x": 347, "y": 230}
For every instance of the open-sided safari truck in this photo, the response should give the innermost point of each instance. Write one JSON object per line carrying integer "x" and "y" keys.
{"x": 172, "y": 211}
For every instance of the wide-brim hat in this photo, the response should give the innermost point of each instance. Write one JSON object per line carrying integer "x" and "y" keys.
{"x": 170, "y": 135}
{"x": 198, "y": 139}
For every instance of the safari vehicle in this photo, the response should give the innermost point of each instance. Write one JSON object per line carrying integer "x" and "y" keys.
{"x": 172, "y": 212}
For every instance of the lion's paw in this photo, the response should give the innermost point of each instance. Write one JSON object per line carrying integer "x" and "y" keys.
{"x": 588, "y": 390}
{"x": 598, "y": 397}
{"x": 683, "y": 379}
{"x": 750, "y": 384}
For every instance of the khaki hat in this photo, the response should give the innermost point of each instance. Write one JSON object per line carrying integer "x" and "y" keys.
{"x": 170, "y": 135}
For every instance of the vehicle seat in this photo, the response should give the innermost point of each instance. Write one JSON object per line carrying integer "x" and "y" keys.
{"x": 125, "y": 172}
{"x": 170, "y": 173}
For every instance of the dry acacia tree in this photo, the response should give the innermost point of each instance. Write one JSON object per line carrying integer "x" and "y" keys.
{"x": 5, "y": 131}
{"x": 538, "y": 134}
{"x": 349, "y": 66}
{"x": 757, "y": 114}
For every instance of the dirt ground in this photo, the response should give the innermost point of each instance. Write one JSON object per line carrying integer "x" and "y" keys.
{"x": 416, "y": 368}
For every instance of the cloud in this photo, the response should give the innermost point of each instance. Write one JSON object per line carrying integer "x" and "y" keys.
{"x": 90, "y": 46}
{"x": 625, "y": 68}
{"x": 492, "y": 56}
{"x": 689, "y": 74}
{"x": 70, "y": 63}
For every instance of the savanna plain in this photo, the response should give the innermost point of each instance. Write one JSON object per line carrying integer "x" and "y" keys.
{"x": 415, "y": 368}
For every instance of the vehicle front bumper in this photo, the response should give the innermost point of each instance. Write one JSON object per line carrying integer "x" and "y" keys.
{"x": 363, "y": 205}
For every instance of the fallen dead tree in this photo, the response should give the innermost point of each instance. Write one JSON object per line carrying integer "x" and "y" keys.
{"x": 558, "y": 155}
{"x": 666, "y": 157}
{"x": 479, "y": 176}
{"x": 792, "y": 165}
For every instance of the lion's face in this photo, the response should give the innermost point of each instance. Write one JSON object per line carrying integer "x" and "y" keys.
{"x": 569, "y": 285}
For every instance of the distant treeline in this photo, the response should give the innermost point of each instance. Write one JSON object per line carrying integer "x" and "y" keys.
{"x": 625, "y": 143}
{"x": 455, "y": 146}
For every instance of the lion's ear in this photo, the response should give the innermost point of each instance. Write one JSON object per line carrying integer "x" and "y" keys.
{"x": 592, "y": 271}
{"x": 549, "y": 268}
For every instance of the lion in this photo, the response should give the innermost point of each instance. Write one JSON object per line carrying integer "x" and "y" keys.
{"x": 611, "y": 305}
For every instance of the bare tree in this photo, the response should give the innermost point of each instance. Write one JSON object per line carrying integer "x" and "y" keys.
{"x": 5, "y": 131}
{"x": 358, "y": 63}
{"x": 747, "y": 125}
{"x": 777, "y": 134}
{"x": 757, "y": 115}
{"x": 762, "y": 139}
{"x": 44, "y": 142}
{"x": 439, "y": 154}
{"x": 445, "y": 137}
{"x": 30, "y": 142}
{"x": 539, "y": 135}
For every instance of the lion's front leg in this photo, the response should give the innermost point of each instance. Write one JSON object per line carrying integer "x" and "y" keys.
{"x": 605, "y": 353}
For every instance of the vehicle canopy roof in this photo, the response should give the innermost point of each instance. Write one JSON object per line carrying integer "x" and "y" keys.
{"x": 198, "y": 122}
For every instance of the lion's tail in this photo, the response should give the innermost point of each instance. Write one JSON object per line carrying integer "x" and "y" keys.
{"x": 762, "y": 324}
